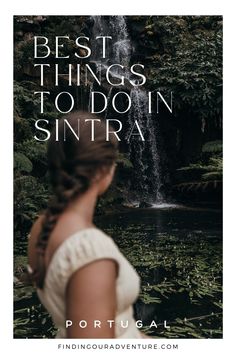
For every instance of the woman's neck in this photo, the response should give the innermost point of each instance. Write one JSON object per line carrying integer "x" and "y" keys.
{"x": 84, "y": 206}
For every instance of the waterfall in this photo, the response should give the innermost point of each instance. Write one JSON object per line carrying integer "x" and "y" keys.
{"x": 120, "y": 50}
{"x": 143, "y": 155}
{"x": 122, "y": 44}
{"x": 108, "y": 101}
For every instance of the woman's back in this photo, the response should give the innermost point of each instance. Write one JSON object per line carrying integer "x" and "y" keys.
{"x": 86, "y": 247}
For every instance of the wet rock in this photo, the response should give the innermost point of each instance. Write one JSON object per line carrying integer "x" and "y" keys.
{"x": 144, "y": 204}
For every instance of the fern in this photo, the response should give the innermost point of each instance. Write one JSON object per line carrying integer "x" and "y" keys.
{"x": 198, "y": 186}
{"x": 212, "y": 176}
{"x": 124, "y": 161}
{"x": 212, "y": 146}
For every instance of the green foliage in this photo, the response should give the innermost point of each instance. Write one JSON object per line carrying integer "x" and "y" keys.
{"x": 174, "y": 254}
{"x": 26, "y": 104}
{"x": 30, "y": 196}
{"x": 182, "y": 54}
{"x": 36, "y": 152}
{"x": 214, "y": 169}
{"x": 180, "y": 269}
{"x": 194, "y": 167}
{"x": 187, "y": 59}
{"x": 22, "y": 163}
{"x": 124, "y": 161}
{"x": 209, "y": 169}
{"x": 73, "y": 26}
{"x": 213, "y": 147}
{"x": 31, "y": 188}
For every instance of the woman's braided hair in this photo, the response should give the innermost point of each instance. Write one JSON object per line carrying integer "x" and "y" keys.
{"x": 72, "y": 166}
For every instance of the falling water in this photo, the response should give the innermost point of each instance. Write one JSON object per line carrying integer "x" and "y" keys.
{"x": 144, "y": 155}
{"x": 122, "y": 47}
{"x": 108, "y": 101}
{"x": 120, "y": 50}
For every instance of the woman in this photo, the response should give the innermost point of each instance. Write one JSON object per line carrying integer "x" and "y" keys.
{"x": 81, "y": 277}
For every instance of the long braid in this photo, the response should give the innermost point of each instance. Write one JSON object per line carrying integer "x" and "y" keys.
{"x": 68, "y": 189}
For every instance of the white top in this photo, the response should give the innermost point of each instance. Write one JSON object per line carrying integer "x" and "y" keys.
{"x": 79, "y": 249}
